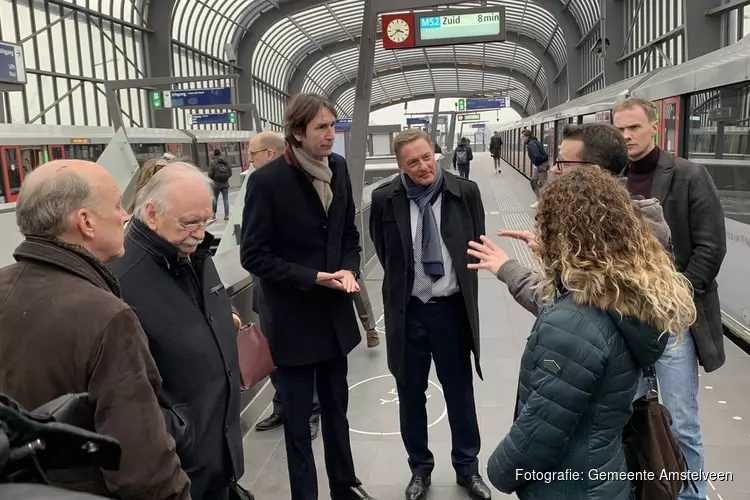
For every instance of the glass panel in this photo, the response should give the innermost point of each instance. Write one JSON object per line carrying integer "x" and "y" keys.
{"x": 13, "y": 169}
{"x": 670, "y": 127}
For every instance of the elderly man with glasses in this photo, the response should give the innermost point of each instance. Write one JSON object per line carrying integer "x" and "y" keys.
{"x": 168, "y": 277}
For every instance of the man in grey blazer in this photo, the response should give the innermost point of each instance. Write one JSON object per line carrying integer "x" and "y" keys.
{"x": 696, "y": 218}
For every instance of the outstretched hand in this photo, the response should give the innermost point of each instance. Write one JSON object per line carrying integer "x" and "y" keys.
{"x": 526, "y": 236}
{"x": 491, "y": 256}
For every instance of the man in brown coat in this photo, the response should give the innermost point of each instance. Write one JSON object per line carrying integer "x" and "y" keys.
{"x": 64, "y": 329}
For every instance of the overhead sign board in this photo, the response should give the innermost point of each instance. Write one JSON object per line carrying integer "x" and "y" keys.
{"x": 417, "y": 121}
{"x": 469, "y": 116}
{"x": 444, "y": 27}
{"x": 191, "y": 98}
{"x": 12, "y": 66}
{"x": 343, "y": 124}
{"x": 484, "y": 103}
{"x": 477, "y": 125}
{"x": 214, "y": 118}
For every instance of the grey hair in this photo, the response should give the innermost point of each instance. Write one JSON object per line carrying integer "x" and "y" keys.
{"x": 156, "y": 190}
{"x": 43, "y": 207}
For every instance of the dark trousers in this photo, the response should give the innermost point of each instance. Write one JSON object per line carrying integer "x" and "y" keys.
{"x": 463, "y": 171}
{"x": 296, "y": 387}
{"x": 439, "y": 330}
{"x": 278, "y": 407}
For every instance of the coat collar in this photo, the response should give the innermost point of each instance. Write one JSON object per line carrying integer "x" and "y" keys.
{"x": 71, "y": 258}
{"x": 402, "y": 214}
{"x": 164, "y": 252}
{"x": 662, "y": 180}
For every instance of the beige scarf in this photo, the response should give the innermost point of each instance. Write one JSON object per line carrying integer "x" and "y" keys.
{"x": 321, "y": 173}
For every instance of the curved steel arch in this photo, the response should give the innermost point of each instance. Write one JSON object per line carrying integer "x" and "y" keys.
{"x": 536, "y": 48}
{"x": 248, "y": 42}
{"x": 514, "y": 105}
{"x": 515, "y": 75}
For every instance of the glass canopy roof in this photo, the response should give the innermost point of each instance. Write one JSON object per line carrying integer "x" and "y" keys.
{"x": 318, "y": 30}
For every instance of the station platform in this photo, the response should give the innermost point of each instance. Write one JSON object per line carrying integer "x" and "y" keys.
{"x": 379, "y": 455}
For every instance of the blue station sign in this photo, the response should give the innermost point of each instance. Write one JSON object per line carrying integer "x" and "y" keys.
{"x": 12, "y": 67}
{"x": 487, "y": 103}
{"x": 214, "y": 118}
{"x": 343, "y": 124}
{"x": 417, "y": 121}
{"x": 196, "y": 97}
{"x": 477, "y": 125}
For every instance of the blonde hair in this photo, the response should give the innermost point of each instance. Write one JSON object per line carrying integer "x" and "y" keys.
{"x": 648, "y": 107}
{"x": 407, "y": 137}
{"x": 147, "y": 171}
{"x": 594, "y": 241}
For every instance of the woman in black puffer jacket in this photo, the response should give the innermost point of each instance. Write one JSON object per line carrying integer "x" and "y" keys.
{"x": 613, "y": 295}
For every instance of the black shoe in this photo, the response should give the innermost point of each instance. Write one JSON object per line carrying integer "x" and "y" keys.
{"x": 474, "y": 484}
{"x": 269, "y": 423}
{"x": 314, "y": 429}
{"x": 418, "y": 486}
{"x": 353, "y": 493}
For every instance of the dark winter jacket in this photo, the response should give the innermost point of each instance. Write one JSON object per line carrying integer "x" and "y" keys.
{"x": 537, "y": 154}
{"x": 579, "y": 374}
{"x": 219, "y": 162}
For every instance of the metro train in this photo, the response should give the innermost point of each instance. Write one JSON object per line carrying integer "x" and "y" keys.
{"x": 25, "y": 147}
{"x": 704, "y": 116}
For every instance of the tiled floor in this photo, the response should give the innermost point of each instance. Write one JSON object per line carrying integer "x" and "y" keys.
{"x": 379, "y": 454}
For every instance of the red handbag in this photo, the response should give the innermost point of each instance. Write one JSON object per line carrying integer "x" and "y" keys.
{"x": 255, "y": 356}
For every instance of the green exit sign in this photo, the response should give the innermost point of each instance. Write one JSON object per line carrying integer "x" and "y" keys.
{"x": 156, "y": 99}
{"x": 461, "y": 104}
{"x": 232, "y": 116}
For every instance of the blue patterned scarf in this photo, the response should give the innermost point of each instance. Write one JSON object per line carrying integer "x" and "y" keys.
{"x": 424, "y": 197}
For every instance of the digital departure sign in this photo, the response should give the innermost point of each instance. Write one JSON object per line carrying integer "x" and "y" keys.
{"x": 443, "y": 27}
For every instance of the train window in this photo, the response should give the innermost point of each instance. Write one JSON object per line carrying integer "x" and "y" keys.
{"x": 13, "y": 172}
{"x": 144, "y": 152}
{"x": 90, "y": 152}
{"x": 719, "y": 139}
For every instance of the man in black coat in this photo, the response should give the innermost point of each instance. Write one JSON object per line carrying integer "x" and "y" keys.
{"x": 421, "y": 224}
{"x": 168, "y": 278}
{"x": 693, "y": 210}
{"x": 299, "y": 238}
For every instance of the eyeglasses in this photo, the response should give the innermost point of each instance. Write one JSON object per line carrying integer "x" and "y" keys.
{"x": 559, "y": 163}
{"x": 253, "y": 153}
{"x": 193, "y": 226}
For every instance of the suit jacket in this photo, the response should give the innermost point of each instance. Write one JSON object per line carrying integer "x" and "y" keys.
{"x": 462, "y": 220}
{"x": 287, "y": 238}
{"x": 695, "y": 216}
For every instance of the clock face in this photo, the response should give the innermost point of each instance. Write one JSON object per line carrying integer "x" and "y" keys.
{"x": 398, "y": 30}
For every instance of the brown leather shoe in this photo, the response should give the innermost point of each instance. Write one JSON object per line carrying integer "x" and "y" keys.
{"x": 373, "y": 339}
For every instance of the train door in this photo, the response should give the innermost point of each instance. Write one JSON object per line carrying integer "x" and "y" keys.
{"x": 56, "y": 152}
{"x": 11, "y": 172}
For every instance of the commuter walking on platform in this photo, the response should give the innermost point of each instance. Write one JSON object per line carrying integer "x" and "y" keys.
{"x": 462, "y": 157}
{"x": 65, "y": 330}
{"x": 220, "y": 171}
{"x": 539, "y": 163}
{"x": 263, "y": 149}
{"x": 299, "y": 237}
{"x": 695, "y": 215}
{"x": 169, "y": 279}
{"x": 612, "y": 296}
{"x": 421, "y": 224}
{"x": 496, "y": 144}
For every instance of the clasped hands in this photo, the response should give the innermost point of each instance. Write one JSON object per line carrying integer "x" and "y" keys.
{"x": 343, "y": 280}
{"x": 492, "y": 257}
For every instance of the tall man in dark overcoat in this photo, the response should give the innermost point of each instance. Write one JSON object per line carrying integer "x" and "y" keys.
{"x": 299, "y": 238}
{"x": 421, "y": 224}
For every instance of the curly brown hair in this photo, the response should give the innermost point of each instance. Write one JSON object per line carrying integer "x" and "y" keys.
{"x": 594, "y": 241}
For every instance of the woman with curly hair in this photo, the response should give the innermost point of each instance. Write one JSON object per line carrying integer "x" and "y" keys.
{"x": 612, "y": 297}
